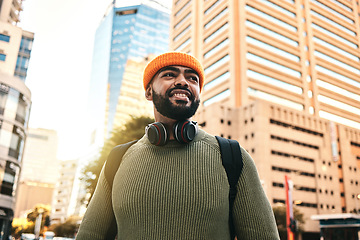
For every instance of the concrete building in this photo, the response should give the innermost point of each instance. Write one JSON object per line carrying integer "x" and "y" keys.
{"x": 132, "y": 101}
{"x": 283, "y": 141}
{"x": 15, "y": 101}
{"x": 39, "y": 171}
{"x": 302, "y": 55}
{"x": 40, "y": 163}
{"x": 30, "y": 194}
{"x": 64, "y": 192}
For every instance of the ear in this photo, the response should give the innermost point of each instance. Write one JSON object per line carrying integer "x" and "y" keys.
{"x": 148, "y": 93}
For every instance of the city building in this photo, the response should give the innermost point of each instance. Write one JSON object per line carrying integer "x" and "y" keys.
{"x": 15, "y": 101}
{"x": 39, "y": 171}
{"x": 125, "y": 32}
{"x": 132, "y": 101}
{"x": 62, "y": 205}
{"x": 303, "y": 58}
{"x": 29, "y": 194}
{"x": 128, "y": 35}
{"x": 40, "y": 163}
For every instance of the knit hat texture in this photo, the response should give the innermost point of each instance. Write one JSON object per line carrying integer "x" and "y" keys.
{"x": 172, "y": 59}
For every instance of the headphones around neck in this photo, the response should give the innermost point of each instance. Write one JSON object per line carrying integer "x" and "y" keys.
{"x": 184, "y": 132}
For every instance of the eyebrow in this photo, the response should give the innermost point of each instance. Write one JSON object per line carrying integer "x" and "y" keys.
{"x": 175, "y": 69}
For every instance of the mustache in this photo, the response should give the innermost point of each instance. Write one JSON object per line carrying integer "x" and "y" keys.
{"x": 167, "y": 93}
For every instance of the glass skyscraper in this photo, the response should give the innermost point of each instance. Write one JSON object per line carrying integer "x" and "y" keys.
{"x": 124, "y": 33}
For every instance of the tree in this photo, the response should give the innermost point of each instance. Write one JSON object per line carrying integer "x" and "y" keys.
{"x": 66, "y": 229}
{"x": 39, "y": 208}
{"x": 132, "y": 130}
{"x": 280, "y": 217}
{"x": 28, "y": 225}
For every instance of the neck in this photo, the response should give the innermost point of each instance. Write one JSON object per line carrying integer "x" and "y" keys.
{"x": 168, "y": 122}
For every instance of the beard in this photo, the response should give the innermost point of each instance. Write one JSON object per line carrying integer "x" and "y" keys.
{"x": 178, "y": 112}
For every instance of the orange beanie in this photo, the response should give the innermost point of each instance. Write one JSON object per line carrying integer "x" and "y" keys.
{"x": 171, "y": 59}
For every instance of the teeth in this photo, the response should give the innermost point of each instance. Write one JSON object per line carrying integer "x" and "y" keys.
{"x": 180, "y": 95}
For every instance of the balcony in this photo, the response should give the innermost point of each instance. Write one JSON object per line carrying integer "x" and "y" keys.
{"x": 17, "y": 4}
{"x": 14, "y": 15}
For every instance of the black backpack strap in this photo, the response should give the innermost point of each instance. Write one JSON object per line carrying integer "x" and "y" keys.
{"x": 111, "y": 166}
{"x": 232, "y": 161}
{"x": 113, "y": 161}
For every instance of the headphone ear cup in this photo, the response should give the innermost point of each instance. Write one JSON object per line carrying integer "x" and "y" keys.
{"x": 157, "y": 134}
{"x": 185, "y": 131}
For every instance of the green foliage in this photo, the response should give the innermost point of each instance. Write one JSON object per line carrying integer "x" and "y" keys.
{"x": 34, "y": 213}
{"x": 280, "y": 217}
{"x": 132, "y": 130}
{"x": 27, "y": 225}
{"x": 66, "y": 229}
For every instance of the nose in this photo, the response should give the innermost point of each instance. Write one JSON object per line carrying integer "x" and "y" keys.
{"x": 181, "y": 80}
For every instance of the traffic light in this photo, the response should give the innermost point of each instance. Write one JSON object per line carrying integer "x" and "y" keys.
{"x": 293, "y": 225}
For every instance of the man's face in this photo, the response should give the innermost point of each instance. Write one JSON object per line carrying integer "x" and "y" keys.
{"x": 175, "y": 92}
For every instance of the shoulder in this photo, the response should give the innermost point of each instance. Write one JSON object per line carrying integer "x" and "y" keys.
{"x": 205, "y": 138}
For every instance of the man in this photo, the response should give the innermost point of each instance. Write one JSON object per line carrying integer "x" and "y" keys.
{"x": 171, "y": 184}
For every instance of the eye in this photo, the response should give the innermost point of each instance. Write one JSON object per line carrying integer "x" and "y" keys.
{"x": 194, "y": 78}
{"x": 168, "y": 74}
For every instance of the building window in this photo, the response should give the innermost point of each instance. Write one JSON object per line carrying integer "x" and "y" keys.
{"x": 271, "y": 18}
{"x": 336, "y": 62}
{"x": 216, "y": 64}
{"x": 182, "y": 9}
{"x": 4, "y": 37}
{"x": 126, "y": 12}
{"x": 336, "y": 49}
{"x": 183, "y": 45}
{"x": 2, "y": 57}
{"x": 334, "y": 12}
{"x": 273, "y": 81}
{"x": 273, "y": 49}
{"x": 336, "y": 118}
{"x": 216, "y": 48}
{"x": 272, "y": 33}
{"x": 217, "y": 97}
{"x": 209, "y": 9}
{"x": 216, "y": 33}
{"x": 333, "y": 23}
{"x": 182, "y": 33}
{"x": 331, "y": 34}
{"x": 220, "y": 79}
{"x": 272, "y": 98}
{"x": 218, "y": 16}
{"x": 182, "y": 20}
{"x": 274, "y": 65}
{"x": 8, "y": 184}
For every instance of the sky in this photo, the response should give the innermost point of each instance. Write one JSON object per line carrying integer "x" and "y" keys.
{"x": 60, "y": 65}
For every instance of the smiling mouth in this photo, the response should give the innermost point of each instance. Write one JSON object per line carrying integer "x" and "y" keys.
{"x": 180, "y": 93}
{"x": 181, "y": 97}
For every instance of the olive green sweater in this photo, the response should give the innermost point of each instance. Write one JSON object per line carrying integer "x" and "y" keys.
{"x": 178, "y": 191}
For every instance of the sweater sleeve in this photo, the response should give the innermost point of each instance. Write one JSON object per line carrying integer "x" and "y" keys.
{"x": 252, "y": 212}
{"x": 99, "y": 220}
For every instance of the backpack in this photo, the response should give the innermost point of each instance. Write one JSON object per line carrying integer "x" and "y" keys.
{"x": 231, "y": 160}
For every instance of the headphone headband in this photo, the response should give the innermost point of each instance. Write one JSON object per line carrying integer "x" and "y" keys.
{"x": 184, "y": 132}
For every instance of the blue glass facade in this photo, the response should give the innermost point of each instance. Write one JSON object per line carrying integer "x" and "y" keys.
{"x": 23, "y": 57}
{"x": 126, "y": 32}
